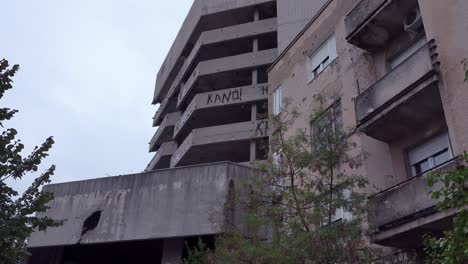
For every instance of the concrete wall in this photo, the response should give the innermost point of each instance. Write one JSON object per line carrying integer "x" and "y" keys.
{"x": 160, "y": 204}
{"x": 345, "y": 76}
{"x": 356, "y": 70}
{"x": 293, "y": 16}
{"x": 199, "y": 8}
{"x": 447, "y": 23}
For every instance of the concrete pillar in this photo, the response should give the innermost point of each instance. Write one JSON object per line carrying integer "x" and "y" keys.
{"x": 253, "y": 143}
{"x": 172, "y": 251}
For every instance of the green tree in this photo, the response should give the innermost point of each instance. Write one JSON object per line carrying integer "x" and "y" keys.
{"x": 18, "y": 212}
{"x": 308, "y": 203}
{"x": 452, "y": 247}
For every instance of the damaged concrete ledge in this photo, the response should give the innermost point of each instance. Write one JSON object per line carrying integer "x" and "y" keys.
{"x": 226, "y": 64}
{"x": 199, "y": 8}
{"x": 179, "y": 202}
{"x": 165, "y": 131}
{"x": 162, "y": 158}
{"x": 221, "y": 134}
{"x": 220, "y": 98}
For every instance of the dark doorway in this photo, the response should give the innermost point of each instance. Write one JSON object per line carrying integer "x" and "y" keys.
{"x": 117, "y": 253}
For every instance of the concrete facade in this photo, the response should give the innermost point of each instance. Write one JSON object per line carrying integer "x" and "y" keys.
{"x": 166, "y": 205}
{"x": 214, "y": 92}
{"x": 215, "y": 77}
{"x": 398, "y": 88}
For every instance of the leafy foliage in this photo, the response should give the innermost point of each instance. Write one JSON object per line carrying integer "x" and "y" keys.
{"x": 308, "y": 203}
{"x": 17, "y": 212}
{"x": 452, "y": 247}
{"x": 198, "y": 255}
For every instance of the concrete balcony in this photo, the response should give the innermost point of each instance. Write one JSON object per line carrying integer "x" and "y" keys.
{"x": 165, "y": 131}
{"x": 403, "y": 99}
{"x": 162, "y": 159}
{"x": 403, "y": 213}
{"x": 219, "y": 36}
{"x": 204, "y": 16}
{"x": 220, "y": 143}
{"x": 167, "y": 106}
{"x": 226, "y": 64}
{"x": 372, "y": 23}
{"x": 206, "y": 105}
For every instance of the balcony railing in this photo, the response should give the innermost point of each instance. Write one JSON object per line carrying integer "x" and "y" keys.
{"x": 413, "y": 71}
{"x": 407, "y": 200}
{"x": 219, "y": 135}
{"x": 227, "y": 97}
{"x": 226, "y": 64}
{"x": 165, "y": 131}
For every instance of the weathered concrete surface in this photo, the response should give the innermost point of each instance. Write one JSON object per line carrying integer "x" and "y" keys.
{"x": 199, "y": 9}
{"x": 408, "y": 75}
{"x": 221, "y": 135}
{"x": 361, "y": 14}
{"x": 221, "y": 98}
{"x": 232, "y": 63}
{"x": 293, "y": 16}
{"x": 162, "y": 158}
{"x": 219, "y": 36}
{"x": 372, "y": 23}
{"x": 394, "y": 205}
{"x": 165, "y": 131}
{"x": 161, "y": 204}
{"x": 167, "y": 106}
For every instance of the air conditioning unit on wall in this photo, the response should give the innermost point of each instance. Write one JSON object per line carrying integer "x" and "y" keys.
{"x": 413, "y": 21}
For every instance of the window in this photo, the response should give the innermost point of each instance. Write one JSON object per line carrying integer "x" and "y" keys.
{"x": 340, "y": 214}
{"x": 407, "y": 53}
{"x": 330, "y": 123}
{"x": 322, "y": 58}
{"x": 429, "y": 155}
{"x": 277, "y": 100}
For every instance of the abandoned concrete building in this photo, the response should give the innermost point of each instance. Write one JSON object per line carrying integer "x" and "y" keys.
{"x": 394, "y": 63}
{"x": 393, "y": 70}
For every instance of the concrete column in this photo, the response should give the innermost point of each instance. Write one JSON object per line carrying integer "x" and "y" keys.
{"x": 172, "y": 251}
{"x": 253, "y": 143}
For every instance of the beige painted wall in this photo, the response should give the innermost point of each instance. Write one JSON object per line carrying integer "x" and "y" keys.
{"x": 447, "y": 22}
{"x": 355, "y": 70}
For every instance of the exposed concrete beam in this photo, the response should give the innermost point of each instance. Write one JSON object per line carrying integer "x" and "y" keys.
{"x": 221, "y": 134}
{"x": 218, "y": 36}
{"x": 221, "y": 98}
{"x": 162, "y": 158}
{"x": 168, "y": 105}
{"x": 238, "y": 62}
{"x": 199, "y": 9}
{"x": 165, "y": 131}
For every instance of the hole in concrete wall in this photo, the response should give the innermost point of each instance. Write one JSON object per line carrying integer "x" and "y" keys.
{"x": 91, "y": 222}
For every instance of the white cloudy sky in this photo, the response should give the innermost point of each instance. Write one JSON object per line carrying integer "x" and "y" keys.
{"x": 87, "y": 75}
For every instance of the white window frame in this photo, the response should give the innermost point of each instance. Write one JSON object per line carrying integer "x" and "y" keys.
{"x": 322, "y": 57}
{"x": 427, "y": 152}
{"x": 277, "y": 100}
{"x": 330, "y": 116}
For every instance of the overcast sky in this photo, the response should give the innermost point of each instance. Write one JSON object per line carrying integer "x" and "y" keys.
{"x": 87, "y": 77}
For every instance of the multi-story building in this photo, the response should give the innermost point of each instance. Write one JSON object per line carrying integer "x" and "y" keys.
{"x": 395, "y": 65}
{"x": 212, "y": 88}
{"x": 394, "y": 70}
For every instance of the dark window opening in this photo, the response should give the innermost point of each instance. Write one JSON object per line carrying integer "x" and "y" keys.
{"x": 91, "y": 222}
